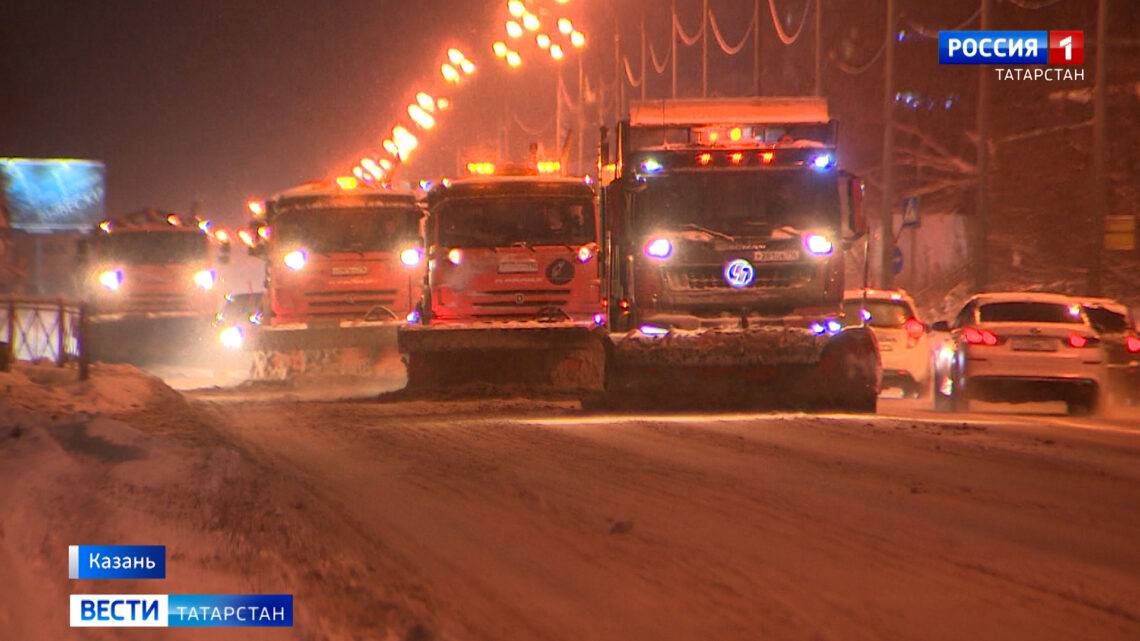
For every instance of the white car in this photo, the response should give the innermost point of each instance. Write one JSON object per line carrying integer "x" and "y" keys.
{"x": 1020, "y": 348}
{"x": 904, "y": 344}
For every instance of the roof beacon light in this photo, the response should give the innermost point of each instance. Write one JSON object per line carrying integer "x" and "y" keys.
{"x": 823, "y": 161}
{"x": 652, "y": 166}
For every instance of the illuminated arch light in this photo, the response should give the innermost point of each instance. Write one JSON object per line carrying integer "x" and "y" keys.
{"x": 565, "y": 27}
{"x": 421, "y": 117}
{"x": 514, "y": 59}
{"x": 406, "y": 141}
{"x": 443, "y": 104}
{"x": 467, "y": 66}
{"x": 455, "y": 56}
{"x": 358, "y": 171}
{"x": 542, "y": 40}
{"x": 577, "y": 39}
{"x": 514, "y": 29}
{"x": 516, "y": 8}
{"x": 531, "y": 22}
{"x": 426, "y": 102}
{"x": 500, "y": 49}
{"x": 391, "y": 148}
{"x": 556, "y": 52}
{"x": 449, "y": 73}
{"x": 385, "y": 164}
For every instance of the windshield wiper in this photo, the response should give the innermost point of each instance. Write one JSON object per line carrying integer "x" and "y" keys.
{"x": 710, "y": 232}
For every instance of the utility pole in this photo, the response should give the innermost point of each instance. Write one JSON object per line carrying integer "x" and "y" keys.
{"x": 756, "y": 48}
{"x": 673, "y": 31}
{"x": 979, "y": 245}
{"x": 818, "y": 47}
{"x": 705, "y": 49}
{"x": 1100, "y": 152}
{"x": 644, "y": 76}
{"x": 886, "y": 216}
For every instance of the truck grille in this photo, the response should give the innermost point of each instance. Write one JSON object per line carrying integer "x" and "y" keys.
{"x": 349, "y": 303}
{"x": 712, "y": 277}
{"x": 519, "y": 304}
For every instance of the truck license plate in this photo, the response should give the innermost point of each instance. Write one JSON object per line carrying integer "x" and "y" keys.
{"x": 349, "y": 271}
{"x": 776, "y": 255}
{"x": 1034, "y": 344}
{"x": 518, "y": 268}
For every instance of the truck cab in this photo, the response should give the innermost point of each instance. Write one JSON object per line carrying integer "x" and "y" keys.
{"x": 512, "y": 248}
{"x": 729, "y": 212}
{"x": 152, "y": 263}
{"x": 338, "y": 252}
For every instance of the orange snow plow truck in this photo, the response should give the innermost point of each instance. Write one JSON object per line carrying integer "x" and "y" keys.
{"x": 151, "y": 281}
{"x": 343, "y": 267}
{"x": 512, "y": 297}
{"x": 727, "y": 225}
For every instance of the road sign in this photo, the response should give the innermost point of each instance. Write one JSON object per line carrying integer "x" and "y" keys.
{"x": 910, "y": 212}
{"x": 897, "y": 261}
{"x": 1120, "y": 233}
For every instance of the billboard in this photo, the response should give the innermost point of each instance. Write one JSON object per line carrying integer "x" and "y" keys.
{"x": 50, "y": 194}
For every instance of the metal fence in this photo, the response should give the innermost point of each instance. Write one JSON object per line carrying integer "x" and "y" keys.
{"x": 39, "y": 329}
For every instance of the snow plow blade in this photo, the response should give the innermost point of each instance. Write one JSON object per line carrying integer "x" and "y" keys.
{"x": 771, "y": 367}
{"x": 289, "y": 353}
{"x": 150, "y": 340}
{"x": 500, "y": 361}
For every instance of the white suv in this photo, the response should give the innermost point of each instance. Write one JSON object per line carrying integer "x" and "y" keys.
{"x": 903, "y": 341}
{"x": 1020, "y": 348}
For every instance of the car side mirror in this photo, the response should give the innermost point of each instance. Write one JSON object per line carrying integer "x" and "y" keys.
{"x": 941, "y": 326}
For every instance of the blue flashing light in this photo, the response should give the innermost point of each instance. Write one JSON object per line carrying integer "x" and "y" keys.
{"x": 653, "y": 331}
{"x": 823, "y": 161}
{"x": 599, "y": 319}
{"x": 652, "y": 166}
{"x": 413, "y": 317}
{"x": 834, "y": 326}
{"x": 866, "y": 316}
{"x": 817, "y": 328}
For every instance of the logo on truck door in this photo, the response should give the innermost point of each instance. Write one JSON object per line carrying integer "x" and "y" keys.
{"x": 560, "y": 272}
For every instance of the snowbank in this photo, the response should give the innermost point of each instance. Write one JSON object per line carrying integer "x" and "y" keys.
{"x": 111, "y": 390}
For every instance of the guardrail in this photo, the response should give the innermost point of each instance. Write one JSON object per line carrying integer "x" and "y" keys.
{"x": 41, "y": 329}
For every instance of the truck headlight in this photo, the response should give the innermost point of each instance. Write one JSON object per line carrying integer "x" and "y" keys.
{"x": 206, "y": 279}
{"x": 818, "y": 245}
{"x": 411, "y": 256}
{"x": 659, "y": 248}
{"x": 232, "y": 337}
{"x": 112, "y": 279}
{"x": 296, "y": 260}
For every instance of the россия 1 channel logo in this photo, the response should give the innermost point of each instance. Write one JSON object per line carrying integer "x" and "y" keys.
{"x": 1061, "y": 52}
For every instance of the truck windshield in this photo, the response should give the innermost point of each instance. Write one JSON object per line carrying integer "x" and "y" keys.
{"x": 151, "y": 247}
{"x": 737, "y": 202}
{"x": 506, "y": 221}
{"x": 347, "y": 230}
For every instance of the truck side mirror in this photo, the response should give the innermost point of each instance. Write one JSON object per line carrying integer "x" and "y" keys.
{"x": 857, "y": 221}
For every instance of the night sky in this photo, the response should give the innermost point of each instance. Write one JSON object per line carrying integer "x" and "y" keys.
{"x": 214, "y": 101}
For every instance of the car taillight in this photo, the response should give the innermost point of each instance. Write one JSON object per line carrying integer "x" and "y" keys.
{"x": 915, "y": 328}
{"x": 1079, "y": 340}
{"x": 975, "y": 336}
{"x": 1133, "y": 344}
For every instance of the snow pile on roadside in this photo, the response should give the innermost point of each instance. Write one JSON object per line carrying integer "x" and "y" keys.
{"x": 111, "y": 389}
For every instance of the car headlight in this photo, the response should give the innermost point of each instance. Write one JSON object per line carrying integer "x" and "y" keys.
{"x": 411, "y": 256}
{"x": 818, "y": 245}
{"x": 206, "y": 279}
{"x": 659, "y": 248}
{"x": 296, "y": 260}
{"x": 232, "y": 337}
{"x": 112, "y": 279}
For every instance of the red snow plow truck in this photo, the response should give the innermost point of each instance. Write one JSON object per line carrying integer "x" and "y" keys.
{"x": 343, "y": 267}
{"x": 513, "y": 293}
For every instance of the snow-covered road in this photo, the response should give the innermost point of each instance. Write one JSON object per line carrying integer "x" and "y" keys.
{"x": 555, "y": 525}
{"x": 524, "y": 520}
